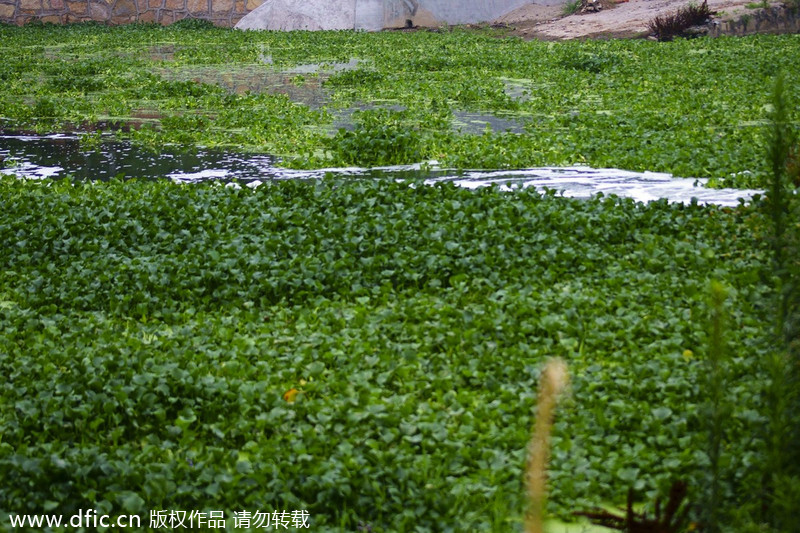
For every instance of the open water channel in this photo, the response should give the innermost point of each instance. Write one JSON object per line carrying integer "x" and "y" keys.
{"x": 61, "y": 156}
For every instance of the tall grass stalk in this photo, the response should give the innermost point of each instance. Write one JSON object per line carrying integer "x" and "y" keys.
{"x": 717, "y": 408}
{"x": 779, "y": 142}
{"x": 554, "y": 379}
{"x": 781, "y": 474}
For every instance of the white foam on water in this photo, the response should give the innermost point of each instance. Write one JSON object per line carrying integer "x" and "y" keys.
{"x": 573, "y": 181}
{"x": 202, "y": 175}
{"x": 33, "y": 172}
{"x": 584, "y": 182}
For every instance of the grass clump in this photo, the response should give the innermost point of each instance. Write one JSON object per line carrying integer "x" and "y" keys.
{"x": 572, "y": 7}
{"x": 667, "y": 27}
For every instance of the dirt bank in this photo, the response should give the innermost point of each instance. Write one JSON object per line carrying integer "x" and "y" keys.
{"x": 626, "y": 19}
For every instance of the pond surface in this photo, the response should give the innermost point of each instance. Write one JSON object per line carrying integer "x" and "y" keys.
{"x": 61, "y": 155}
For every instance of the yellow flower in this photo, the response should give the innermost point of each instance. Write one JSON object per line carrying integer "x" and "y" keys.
{"x": 290, "y": 395}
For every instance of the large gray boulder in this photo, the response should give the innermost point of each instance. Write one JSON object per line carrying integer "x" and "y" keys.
{"x": 371, "y": 15}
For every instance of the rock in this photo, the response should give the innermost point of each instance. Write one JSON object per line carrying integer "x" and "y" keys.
{"x": 697, "y": 31}
{"x": 371, "y": 15}
{"x": 591, "y": 6}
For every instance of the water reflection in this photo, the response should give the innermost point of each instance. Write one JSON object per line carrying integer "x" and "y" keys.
{"x": 61, "y": 155}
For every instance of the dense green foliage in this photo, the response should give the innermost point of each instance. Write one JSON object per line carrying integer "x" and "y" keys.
{"x": 781, "y": 480}
{"x": 692, "y": 108}
{"x": 149, "y": 330}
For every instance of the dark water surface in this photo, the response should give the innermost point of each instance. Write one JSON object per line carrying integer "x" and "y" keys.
{"x": 61, "y": 155}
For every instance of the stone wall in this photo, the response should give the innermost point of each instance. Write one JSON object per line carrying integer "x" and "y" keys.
{"x": 220, "y": 12}
{"x": 778, "y": 19}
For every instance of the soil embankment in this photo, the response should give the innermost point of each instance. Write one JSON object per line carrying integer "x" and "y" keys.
{"x": 630, "y": 19}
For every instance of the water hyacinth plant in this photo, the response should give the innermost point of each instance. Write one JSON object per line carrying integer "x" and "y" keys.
{"x": 368, "y": 99}
{"x": 367, "y": 351}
